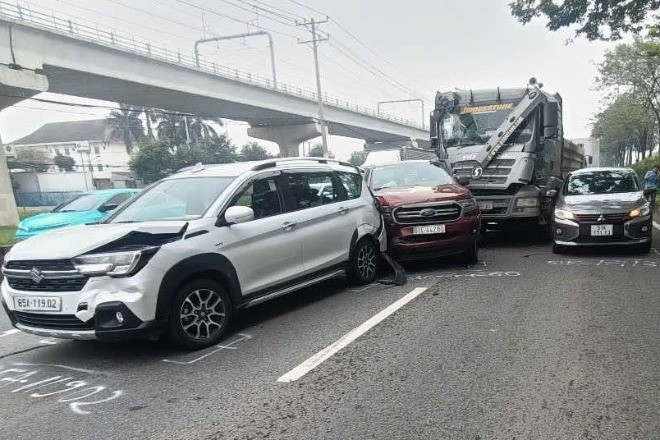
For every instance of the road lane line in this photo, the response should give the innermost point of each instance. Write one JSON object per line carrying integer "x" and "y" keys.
{"x": 656, "y": 225}
{"x": 9, "y": 332}
{"x": 349, "y": 337}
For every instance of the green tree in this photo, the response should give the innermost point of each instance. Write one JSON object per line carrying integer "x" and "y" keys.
{"x": 65, "y": 163}
{"x": 209, "y": 151}
{"x": 595, "y": 19}
{"x": 625, "y": 130}
{"x": 153, "y": 161}
{"x": 357, "y": 158}
{"x": 32, "y": 157}
{"x": 316, "y": 151}
{"x": 635, "y": 68}
{"x": 254, "y": 151}
{"x": 125, "y": 124}
{"x": 180, "y": 129}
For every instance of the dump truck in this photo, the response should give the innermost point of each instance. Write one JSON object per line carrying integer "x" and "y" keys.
{"x": 508, "y": 145}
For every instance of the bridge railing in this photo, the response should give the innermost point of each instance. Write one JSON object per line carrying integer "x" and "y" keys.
{"x": 32, "y": 16}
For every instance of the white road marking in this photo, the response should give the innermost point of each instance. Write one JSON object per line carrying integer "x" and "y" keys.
{"x": 656, "y": 225}
{"x": 349, "y": 337}
{"x": 66, "y": 367}
{"x": 243, "y": 337}
{"x": 9, "y": 332}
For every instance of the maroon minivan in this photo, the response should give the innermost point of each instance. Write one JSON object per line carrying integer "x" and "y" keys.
{"x": 427, "y": 213}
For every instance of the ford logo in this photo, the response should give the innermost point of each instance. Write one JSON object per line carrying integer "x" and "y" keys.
{"x": 427, "y": 212}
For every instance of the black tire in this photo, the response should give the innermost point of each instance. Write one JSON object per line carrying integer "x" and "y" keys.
{"x": 645, "y": 248}
{"x": 471, "y": 254}
{"x": 364, "y": 262}
{"x": 556, "y": 249}
{"x": 201, "y": 314}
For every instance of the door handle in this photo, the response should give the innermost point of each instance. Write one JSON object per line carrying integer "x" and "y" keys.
{"x": 287, "y": 226}
{"x": 343, "y": 210}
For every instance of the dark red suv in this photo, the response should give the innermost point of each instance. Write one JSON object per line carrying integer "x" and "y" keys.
{"x": 428, "y": 214}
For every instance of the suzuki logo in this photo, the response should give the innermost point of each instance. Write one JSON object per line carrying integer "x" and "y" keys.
{"x": 601, "y": 218}
{"x": 36, "y": 275}
{"x": 428, "y": 212}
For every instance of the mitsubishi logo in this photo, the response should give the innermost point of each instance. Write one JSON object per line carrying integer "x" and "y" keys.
{"x": 36, "y": 275}
{"x": 601, "y": 218}
{"x": 428, "y": 212}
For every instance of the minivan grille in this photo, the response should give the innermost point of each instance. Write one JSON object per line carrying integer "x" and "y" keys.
{"x": 59, "y": 283}
{"x": 426, "y": 214}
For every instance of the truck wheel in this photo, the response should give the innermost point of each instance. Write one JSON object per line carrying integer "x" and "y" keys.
{"x": 362, "y": 266}
{"x": 471, "y": 255}
{"x": 200, "y": 315}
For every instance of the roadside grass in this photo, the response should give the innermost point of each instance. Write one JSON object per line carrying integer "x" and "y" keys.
{"x": 7, "y": 232}
{"x": 7, "y": 235}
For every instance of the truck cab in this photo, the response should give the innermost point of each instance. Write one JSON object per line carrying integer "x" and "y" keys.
{"x": 509, "y": 143}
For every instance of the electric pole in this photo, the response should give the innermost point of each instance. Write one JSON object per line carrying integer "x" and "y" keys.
{"x": 312, "y": 26}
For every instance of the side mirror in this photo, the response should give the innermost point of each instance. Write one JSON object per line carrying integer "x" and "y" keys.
{"x": 238, "y": 214}
{"x": 107, "y": 207}
{"x": 463, "y": 180}
{"x": 551, "y": 120}
{"x": 552, "y": 193}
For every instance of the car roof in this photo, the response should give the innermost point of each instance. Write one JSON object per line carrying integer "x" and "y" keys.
{"x": 597, "y": 169}
{"x": 391, "y": 164}
{"x": 112, "y": 191}
{"x": 239, "y": 168}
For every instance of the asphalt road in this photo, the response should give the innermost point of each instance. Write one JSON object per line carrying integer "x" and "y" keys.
{"x": 525, "y": 345}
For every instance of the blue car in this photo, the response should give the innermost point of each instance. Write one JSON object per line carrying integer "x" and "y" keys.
{"x": 88, "y": 207}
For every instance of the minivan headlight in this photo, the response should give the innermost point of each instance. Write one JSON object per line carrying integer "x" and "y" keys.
{"x": 643, "y": 210}
{"x": 563, "y": 214}
{"x": 114, "y": 264}
{"x": 469, "y": 204}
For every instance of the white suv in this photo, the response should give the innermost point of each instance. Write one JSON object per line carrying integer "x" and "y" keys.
{"x": 193, "y": 248}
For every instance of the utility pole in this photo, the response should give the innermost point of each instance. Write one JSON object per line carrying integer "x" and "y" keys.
{"x": 312, "y": 26}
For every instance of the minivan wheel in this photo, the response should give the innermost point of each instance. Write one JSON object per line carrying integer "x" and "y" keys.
{"x": 471, "y": 255}
{"x": 200, "y": 315}
{"x": 362, "y": 267}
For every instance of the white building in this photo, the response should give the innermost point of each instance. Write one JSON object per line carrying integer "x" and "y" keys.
{"x": 97, "y": 156}
{"x": 591, "y": 150}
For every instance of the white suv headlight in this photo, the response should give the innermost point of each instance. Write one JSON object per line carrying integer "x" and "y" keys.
{"x": 563, "y": 214}
{"x": 115, "y": 264}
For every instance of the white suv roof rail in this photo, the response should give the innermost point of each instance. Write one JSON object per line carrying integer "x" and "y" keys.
{"x": 273, "y": 162}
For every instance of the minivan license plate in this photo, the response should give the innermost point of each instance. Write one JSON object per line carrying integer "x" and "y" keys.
{"x": 38, "y": 303}
{"x": 601, "y": 230}
{"x": 428, "y": 229}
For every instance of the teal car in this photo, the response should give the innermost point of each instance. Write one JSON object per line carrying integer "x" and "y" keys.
{"x": 88, "y": 207}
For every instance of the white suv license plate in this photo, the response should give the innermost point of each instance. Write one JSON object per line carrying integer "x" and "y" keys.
{"x": 428, "y": 229}
{"x": 38, "y": 303}
{"x": 485, "y": 206}
{"x": 601, "y": 230}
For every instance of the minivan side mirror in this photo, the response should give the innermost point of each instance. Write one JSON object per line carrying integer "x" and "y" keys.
{"x": 238, "y": 214}
{"x": 462, "y": 180}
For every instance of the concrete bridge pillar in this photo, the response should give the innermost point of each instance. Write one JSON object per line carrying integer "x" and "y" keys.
{"x": 287, "y": 137}
{"x": 15, "y": 86}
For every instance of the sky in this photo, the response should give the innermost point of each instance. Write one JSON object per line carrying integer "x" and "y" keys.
{"x": 377, "y": 50}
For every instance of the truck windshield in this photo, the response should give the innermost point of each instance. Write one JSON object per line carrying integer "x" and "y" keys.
{"x": 601, "y": 182}
{"x": 472, "y": 128}
{"x": 408, "y": 175}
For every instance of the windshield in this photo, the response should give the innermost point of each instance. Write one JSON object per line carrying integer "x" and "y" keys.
{"x": 83, "y": 202}
{"x": 404, "y": 175}
{"x": 176, "y": 199}
{"x": 601, "y": 182}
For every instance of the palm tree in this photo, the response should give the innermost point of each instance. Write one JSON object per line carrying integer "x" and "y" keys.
{"x": 126, "y": 124}
{"x": 180, "y": 129}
